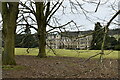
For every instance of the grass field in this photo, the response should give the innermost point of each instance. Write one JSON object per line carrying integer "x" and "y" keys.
{"x": 69, "y": 53}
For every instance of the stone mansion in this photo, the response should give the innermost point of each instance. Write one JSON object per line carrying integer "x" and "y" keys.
{"x": 68, "y": 40}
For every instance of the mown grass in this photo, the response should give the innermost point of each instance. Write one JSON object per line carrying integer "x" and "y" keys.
{"x": 13, "y": 67}
{"x": 69, "y": 53}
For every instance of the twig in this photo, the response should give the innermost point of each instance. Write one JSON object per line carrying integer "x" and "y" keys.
{"x": 97, "y": 6}
{"x": 91, "y": 57}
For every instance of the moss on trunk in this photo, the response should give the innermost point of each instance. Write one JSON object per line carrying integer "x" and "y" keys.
{"x": 9, "y": 15}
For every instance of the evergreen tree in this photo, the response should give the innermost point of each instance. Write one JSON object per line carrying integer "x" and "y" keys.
{"x": 97, "y": 36}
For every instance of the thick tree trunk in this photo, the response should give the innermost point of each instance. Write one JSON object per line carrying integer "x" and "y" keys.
{"x": 9, "y": 15}
{"x": 8, "y": 55}
{"x": 41, "y": 29}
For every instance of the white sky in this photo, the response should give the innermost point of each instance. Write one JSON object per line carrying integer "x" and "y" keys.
{"x": 104, "y": 13}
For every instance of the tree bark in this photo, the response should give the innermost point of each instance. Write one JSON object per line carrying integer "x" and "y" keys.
{"x": 9, "y": 15}
{"x": 42, "y": 43}
{"x": 41, "y": 22}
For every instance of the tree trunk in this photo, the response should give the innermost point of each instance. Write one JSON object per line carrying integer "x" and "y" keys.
{"x": 8, "y": 55}
{"x": 41, "y": 29}
{"x": 42, "y": 43}
{"x": 9, "y": 15}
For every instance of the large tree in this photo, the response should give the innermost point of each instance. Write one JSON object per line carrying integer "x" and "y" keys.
{"x": 9, "y": 16}
{"x": 41, "y": 22}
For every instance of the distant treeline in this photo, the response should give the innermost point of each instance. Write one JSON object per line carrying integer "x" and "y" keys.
{"x": 111, "y": 31}
{"x": 114, "y": 32}
{"x": 26, "y": 40}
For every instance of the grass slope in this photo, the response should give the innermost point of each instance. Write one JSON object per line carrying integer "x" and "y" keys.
{"x": 69, "y": 53}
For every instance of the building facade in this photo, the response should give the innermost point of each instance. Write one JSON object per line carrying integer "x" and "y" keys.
{"x": 68, "y": 40}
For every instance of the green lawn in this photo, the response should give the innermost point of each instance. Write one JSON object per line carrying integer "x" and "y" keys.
{"x": 68, "y": 53}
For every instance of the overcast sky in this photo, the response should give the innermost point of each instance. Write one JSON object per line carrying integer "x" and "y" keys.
{"x": 104, "y": 12}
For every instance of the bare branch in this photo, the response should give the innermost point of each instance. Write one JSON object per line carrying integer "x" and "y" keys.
{"x": 106, "y": 31}
{"x": 24, "y": 5}
{"x": 97, "y": 6}
{"x": 54, "y": 11}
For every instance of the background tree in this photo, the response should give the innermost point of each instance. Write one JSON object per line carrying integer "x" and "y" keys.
{"x": 111, "y": 42}
{"x": 9, "y": 16}
{"x": 117, "y": 47}
{"x": 97, "y": 36}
